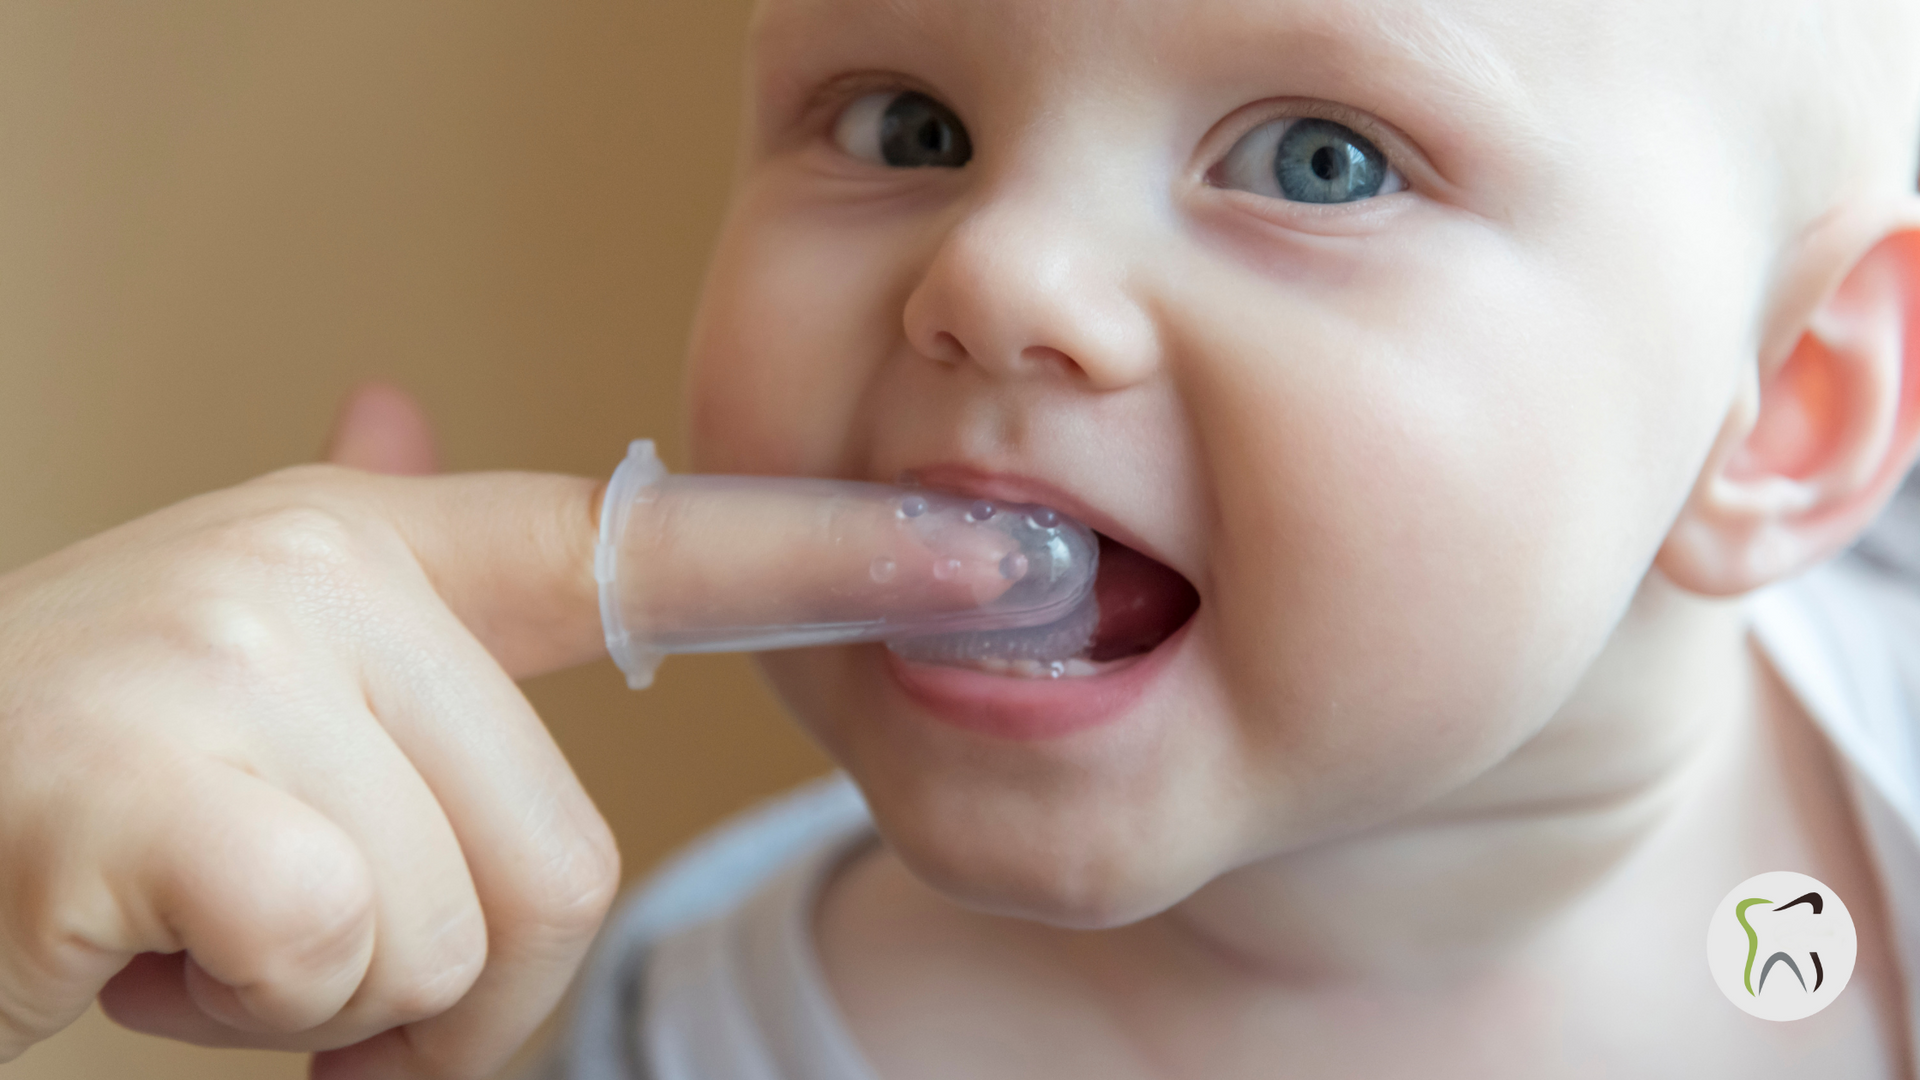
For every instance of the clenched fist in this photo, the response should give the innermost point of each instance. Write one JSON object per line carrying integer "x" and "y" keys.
{"x": 265, "y": 776}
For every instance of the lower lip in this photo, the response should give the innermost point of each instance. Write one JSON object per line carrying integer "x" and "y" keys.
{"x": 1031, "y": 709}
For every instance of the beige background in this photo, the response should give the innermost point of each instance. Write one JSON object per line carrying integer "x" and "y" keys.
{"x": 217, "y": 216}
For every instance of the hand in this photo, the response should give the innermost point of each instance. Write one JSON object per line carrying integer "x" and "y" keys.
{"x": 266, "y": 779}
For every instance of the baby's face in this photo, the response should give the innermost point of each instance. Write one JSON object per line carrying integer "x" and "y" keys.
{"x": 1398, "y": 330}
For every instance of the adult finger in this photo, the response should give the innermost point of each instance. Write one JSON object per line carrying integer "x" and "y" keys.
{"x": 542, "y": 860}
{"x": 430, "y": 941}
{"x": 512, "y": 554}
{"x": 272, "y": 899}
{"x": 708, "y": 554}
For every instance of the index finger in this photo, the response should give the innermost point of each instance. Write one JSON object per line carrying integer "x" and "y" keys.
{"x": 712, "y": 564}
{"x": 509, "y": 553}
{"x": 706, "y": 564}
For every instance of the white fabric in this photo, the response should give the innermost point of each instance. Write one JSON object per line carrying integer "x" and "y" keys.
{"x": 711, "y": 972}
{"x": 717, "y": 875}
{"x": 743, "y": 997}
{"x": 1846, "y": 639}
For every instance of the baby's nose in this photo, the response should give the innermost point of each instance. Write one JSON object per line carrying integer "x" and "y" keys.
{"x": 1033, "y": 288}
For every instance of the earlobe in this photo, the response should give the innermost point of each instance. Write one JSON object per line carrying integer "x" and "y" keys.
{"x": 1815, "y": 443}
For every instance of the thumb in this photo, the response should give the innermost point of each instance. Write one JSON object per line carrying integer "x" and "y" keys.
{"x": 381, "y": 428}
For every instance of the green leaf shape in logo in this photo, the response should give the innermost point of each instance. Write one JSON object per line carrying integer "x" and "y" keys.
{"x": 1753, "y": 939}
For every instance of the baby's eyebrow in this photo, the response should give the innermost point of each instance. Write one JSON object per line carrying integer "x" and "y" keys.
{"x": 1455, "y": 69}
{"x": 1459, "y": 59}
{"x": 1417, "y": 58}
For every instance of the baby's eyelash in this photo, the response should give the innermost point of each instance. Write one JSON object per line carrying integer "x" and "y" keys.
{"x": 824, "y": 103}
{"x": 1307, "y": 160}
{"x": 1310, "y": 156}
{"x": 1248, "y": 120}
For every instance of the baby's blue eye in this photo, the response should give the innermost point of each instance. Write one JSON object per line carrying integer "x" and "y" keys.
{"x": 1308, "y": 160}
{"x": 903, "y": 130}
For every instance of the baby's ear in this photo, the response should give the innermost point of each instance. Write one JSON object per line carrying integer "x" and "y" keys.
{"x": 1821, "y": 436}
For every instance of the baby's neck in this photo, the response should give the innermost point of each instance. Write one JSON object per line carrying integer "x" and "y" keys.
{"x": 1664, "y": 717}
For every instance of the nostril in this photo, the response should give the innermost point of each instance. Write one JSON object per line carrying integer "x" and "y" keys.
{"x": 946, "y": 347}
{"x": 1042, "y": 355}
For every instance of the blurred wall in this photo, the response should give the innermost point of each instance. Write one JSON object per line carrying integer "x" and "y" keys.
{"x": 217, "y": 215}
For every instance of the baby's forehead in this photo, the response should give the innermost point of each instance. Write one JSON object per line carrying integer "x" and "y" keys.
{"x": 1480, "y": 38}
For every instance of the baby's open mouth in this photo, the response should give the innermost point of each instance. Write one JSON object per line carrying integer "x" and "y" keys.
{"x": 1136, "y": 604}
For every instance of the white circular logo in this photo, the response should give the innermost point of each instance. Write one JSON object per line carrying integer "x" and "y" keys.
{"x": 1781, "y": 946}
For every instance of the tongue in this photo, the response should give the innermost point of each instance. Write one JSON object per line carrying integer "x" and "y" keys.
{"x": 1142, "y": 602}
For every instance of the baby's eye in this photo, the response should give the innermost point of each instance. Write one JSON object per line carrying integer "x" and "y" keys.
{"x": 1308, "y": 160}
{"x": 904, "y": 130}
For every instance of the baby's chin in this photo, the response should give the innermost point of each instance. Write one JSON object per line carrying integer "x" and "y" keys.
{"x": 1095, "y": 828}
{"x": 1084, "y": 856}
{"x": 1073, "y": 883}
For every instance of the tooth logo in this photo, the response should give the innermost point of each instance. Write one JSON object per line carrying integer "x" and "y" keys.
{"x": 1781, "y": 946}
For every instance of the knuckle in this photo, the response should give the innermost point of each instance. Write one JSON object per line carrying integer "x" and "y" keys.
{"x": 49, "y": 977}
{"x": 298, "y": 539}
{"x": 568, "y": 901}
{"x": 448, "y": 969}
{"x": 426, "y": 995}
{"x": 310, "y": 910}
{"x": 60, "y": 930}
{"x": 328, "y": 937}
{"x": 245, "y": 606}
{"x": 236, "y": 642}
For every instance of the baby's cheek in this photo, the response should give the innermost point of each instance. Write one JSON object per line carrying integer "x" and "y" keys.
{"x": 752, "y": 399}
{"x": 1409, "y": 577}
{"x": 791, "y": 322}
{"x": 1377, "y": 644}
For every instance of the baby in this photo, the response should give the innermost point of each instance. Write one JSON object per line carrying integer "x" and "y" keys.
{"x": 1441, "y": 374}
{"x": 1467, "y": 360}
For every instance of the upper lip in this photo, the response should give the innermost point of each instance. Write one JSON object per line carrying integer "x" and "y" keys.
{"x": 964, "y": 479}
